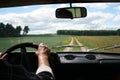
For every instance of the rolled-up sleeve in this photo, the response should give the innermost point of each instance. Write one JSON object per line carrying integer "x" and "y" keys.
{"x": 45, "y": 71}
{"x": 44, "y": 68}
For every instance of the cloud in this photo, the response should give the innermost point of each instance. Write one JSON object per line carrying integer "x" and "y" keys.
{"x": 37, "y": 17}
{"x": 94, "y": 5}
{"x": 117, "y": 18}
{"x": 100, "y": 14}
{"x": 25, "y": 7}
{"x": 117, "y": 15}
{"x": 11, "y": 18}
{"x": 118, "y": 8}
{"x": 42, "y": 19}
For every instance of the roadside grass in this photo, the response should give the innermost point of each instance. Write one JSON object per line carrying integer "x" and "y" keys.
{"x": 100, "y": 41}
{"x": 75, "y": 43}
{"x": 65, "y": 42}
{"x": 50, "y": 40}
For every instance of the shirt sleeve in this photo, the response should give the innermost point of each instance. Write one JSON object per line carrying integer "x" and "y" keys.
{"x": 44, "y": 68}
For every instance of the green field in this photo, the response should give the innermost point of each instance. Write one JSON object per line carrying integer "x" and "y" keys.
{"x": 100, "y": 41}
{"x": 50, "y": 40}
{"x": 57, "y": 40}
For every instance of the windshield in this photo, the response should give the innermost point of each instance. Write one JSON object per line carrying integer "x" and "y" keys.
{"x": 38, "y": 24}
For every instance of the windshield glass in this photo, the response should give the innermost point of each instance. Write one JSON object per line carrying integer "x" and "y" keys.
{"x": 38, "y": 24}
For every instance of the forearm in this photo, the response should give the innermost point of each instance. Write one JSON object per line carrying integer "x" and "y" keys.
{"x": 43, "y": 60}
{"x": 43, "y": 53}
{"x": 43, "y": 65}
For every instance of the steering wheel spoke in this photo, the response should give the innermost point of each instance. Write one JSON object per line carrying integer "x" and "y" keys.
{"x": 23, "y": 50}
{"x": 25, "y": 61}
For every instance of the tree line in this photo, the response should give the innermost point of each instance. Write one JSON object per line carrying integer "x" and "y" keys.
{"x": 8, "y": 30}
{"x": 89, "y": 32}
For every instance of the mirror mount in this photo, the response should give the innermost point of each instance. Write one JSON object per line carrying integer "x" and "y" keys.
{"x": 70, "y": 4}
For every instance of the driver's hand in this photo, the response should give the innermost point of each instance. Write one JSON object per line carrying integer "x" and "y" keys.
{"x": 2, "y": 56}
{"x": 43, "y": 51}
{"x": 43, "y": 54}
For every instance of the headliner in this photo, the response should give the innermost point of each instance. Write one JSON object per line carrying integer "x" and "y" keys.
{"x": 13, "y": 3}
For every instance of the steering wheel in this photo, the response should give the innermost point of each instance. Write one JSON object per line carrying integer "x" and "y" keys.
{"x": 25, "y": 61}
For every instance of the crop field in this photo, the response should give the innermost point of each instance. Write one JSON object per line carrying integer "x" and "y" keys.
{"x": 50, "y": 40}
{"x": 57, "y": 40}
{"x": 100, "y": 41}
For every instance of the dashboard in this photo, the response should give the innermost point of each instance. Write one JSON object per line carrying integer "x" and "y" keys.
{"x": 75, "y": 65}
{"x": 86, "y": 66}
{"x": 88, "y": 57}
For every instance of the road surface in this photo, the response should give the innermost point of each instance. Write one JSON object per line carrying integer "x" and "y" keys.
{"x": 70, "y": 48}
{"x": 73, "y": 40}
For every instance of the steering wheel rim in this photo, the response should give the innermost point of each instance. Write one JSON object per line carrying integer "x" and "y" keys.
{"x": 21, "y": 45}
{"x": 23, "y": 52}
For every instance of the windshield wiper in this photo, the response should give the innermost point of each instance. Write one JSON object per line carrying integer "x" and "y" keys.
{"x": 112, "y": 47}
{"x": 105, "y": 48}
{"x": 67, "y": 46}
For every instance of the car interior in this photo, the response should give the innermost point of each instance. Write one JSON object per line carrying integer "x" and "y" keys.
{"x": 66, "y": 65}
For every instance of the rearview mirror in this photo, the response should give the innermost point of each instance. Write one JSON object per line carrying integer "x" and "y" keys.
{"x": 71, "y": 12}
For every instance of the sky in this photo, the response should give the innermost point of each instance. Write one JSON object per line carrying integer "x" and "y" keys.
{"x": 41, "y": 18}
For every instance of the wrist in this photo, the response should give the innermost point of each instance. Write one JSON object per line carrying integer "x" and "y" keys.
{"x": 43, "y": 57}
{"x": 43, "y": 60}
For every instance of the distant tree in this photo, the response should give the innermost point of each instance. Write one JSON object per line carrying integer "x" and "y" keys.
{"x": 18, "y": 30}
{"x": 2, "y": 29}
{"x": 87, "y": 32}
{"x": 10, "y": 30}
{"x": 118, "y": 32}
{"x": 25, "y": 30}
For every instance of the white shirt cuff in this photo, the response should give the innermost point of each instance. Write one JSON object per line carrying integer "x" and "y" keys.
{"x": 44, "y": 68}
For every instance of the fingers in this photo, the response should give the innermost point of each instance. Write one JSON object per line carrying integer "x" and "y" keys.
{"x": 43, "y": 49}
{"x": 41, "y": 44}
{"x": 2, "y": 56}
